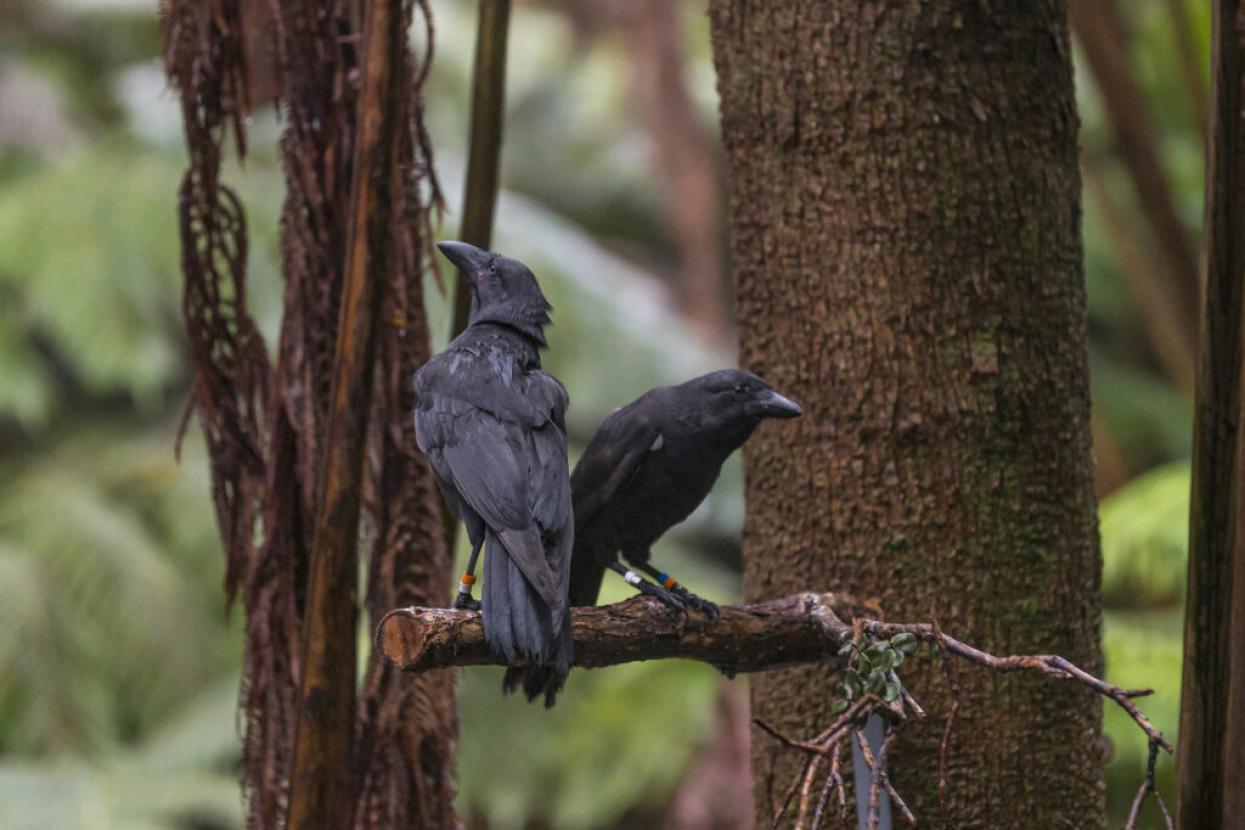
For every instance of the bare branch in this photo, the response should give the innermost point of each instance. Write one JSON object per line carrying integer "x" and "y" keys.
{"x": 768, "y": 635}
{"x": 1051, "y": 665}
{"x": 1148, "y": 786}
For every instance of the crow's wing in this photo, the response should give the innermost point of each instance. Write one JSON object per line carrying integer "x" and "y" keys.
{"x": 613, "y": 456}
{"x": 549, "y": 473}
{"x": 487, "y": 437}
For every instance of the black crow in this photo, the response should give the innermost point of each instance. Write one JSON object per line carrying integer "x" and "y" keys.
{"x": 492, "y": 424}
{"x": 647, "y": 468}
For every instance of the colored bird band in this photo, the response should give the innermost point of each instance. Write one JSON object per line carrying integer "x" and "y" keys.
{"x": 667, "y": 581}
{"x": 465, "y": 583}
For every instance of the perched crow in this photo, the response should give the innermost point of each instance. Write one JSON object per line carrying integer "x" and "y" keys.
{"x": 647, "y": 468}
{"x": 491, "y": 423}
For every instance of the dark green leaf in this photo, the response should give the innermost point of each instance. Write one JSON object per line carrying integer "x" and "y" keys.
{"x": 905, "y": 642}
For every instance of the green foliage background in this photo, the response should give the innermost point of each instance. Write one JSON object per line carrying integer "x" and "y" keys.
{"x": 118, "y": 659}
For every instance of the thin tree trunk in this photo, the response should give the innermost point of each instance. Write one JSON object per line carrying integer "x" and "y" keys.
{"x": 1212, "y": 708}
{"x": 320, "y": 791}
{"x": 407, "y": 728}
{"x": 906, "y": 238}
{"x": 488, "y": 106}
{"x": 484, "y": 141}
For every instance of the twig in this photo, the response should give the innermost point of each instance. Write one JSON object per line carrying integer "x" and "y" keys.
{"x": 1051, "y": 665}
{"x": 838, "y": 729}
{"x": 876, "y": 765}
{"x": 806, "y": 789}
{"x": 833, "y": 781}
{"x": 790, "y": 793}
{"x": 1147, "y": 787}
{"x": 881, "y": 779}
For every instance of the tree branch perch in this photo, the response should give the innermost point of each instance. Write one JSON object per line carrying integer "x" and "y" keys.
{"x": 767, "y": 635}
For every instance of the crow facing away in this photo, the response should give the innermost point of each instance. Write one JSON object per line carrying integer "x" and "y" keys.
{"x": 491, "y": 422}
{"x": 649, "y": 465}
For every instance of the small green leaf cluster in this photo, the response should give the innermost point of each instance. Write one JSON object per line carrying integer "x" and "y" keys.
{"x": 870, "y": 668}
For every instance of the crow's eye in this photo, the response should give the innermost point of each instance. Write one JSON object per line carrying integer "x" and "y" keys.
{"x": 739, "y": 389}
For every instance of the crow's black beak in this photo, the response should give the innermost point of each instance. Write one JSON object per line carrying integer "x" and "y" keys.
{"x": 769, "y": 404}
{"x": 467, "y": 258}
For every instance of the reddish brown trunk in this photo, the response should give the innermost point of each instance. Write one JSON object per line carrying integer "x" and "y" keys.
{"x": 320, "y": 794}
{"x": 906, "y": 236}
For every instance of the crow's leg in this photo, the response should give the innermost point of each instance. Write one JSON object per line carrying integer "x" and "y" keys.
{"x": 464, "y": 600}
{"x": 672, "y": 585}
{"x": 647, "y": 588}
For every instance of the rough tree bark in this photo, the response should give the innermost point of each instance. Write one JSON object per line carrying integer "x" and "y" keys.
{"x": 1212, "y": 713}
{"x": 906, "y": 239}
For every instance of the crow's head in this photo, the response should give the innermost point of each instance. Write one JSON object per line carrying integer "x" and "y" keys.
{"x": 503, "y": 290}
{"x": 732, "y": 399}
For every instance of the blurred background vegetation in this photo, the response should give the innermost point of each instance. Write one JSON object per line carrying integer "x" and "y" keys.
{"x": 119, "y": 661}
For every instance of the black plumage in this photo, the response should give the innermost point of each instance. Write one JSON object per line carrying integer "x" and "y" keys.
{"x": 492, "y": 424}
{"x": 650, "y": 464}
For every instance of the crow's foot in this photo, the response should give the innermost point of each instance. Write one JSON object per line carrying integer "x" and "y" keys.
{"x": 466, "y": 602}
{"x": 663, "y": 596}
{"x": 704, "y": 606}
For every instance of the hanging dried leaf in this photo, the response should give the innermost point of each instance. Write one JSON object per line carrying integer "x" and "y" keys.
{"x": 265, "y": 427}
{"x": 203, "y": 59}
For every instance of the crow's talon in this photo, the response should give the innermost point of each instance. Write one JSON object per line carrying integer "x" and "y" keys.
{"x": 663, "y": 596}
{"x": 464, "y": 601}
{"x": 704, "y": 606}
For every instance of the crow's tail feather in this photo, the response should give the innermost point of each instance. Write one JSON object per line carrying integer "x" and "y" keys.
{"x": 518, "y": 625}
{"x": 546, "y": 679}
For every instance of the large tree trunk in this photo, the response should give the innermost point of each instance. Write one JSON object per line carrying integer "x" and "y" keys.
{"x": 906, "y": 237}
